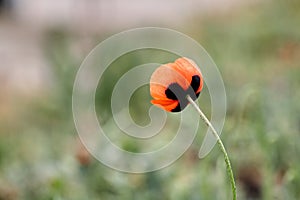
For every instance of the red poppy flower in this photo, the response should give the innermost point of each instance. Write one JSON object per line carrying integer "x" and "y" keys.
{"x": 171, "y": 83}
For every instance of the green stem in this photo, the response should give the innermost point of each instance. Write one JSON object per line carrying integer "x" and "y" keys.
{"x": 220, "y": 143}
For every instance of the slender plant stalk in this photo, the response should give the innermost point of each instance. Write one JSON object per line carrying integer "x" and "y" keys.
{"x": 220, "y": 143}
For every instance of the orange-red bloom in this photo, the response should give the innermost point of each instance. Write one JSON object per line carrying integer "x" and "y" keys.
{"x": 171, "y": 83}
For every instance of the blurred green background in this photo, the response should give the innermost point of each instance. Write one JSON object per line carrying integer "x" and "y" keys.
{"x": 256, "y": 46}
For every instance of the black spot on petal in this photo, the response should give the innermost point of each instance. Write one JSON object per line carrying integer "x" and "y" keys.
{"x": 176, "y": 92}
{"x": 172, "y": 90}
{"x": 195, "y": 82}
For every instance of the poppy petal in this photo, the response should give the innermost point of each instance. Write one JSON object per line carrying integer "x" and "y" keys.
{"x": 167, "y": 105}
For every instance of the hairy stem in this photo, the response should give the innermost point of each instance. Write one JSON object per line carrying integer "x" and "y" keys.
{"x": 220, "y": 143}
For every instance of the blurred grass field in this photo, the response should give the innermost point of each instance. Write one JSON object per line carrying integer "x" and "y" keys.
{"x": 257, "y": 50}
